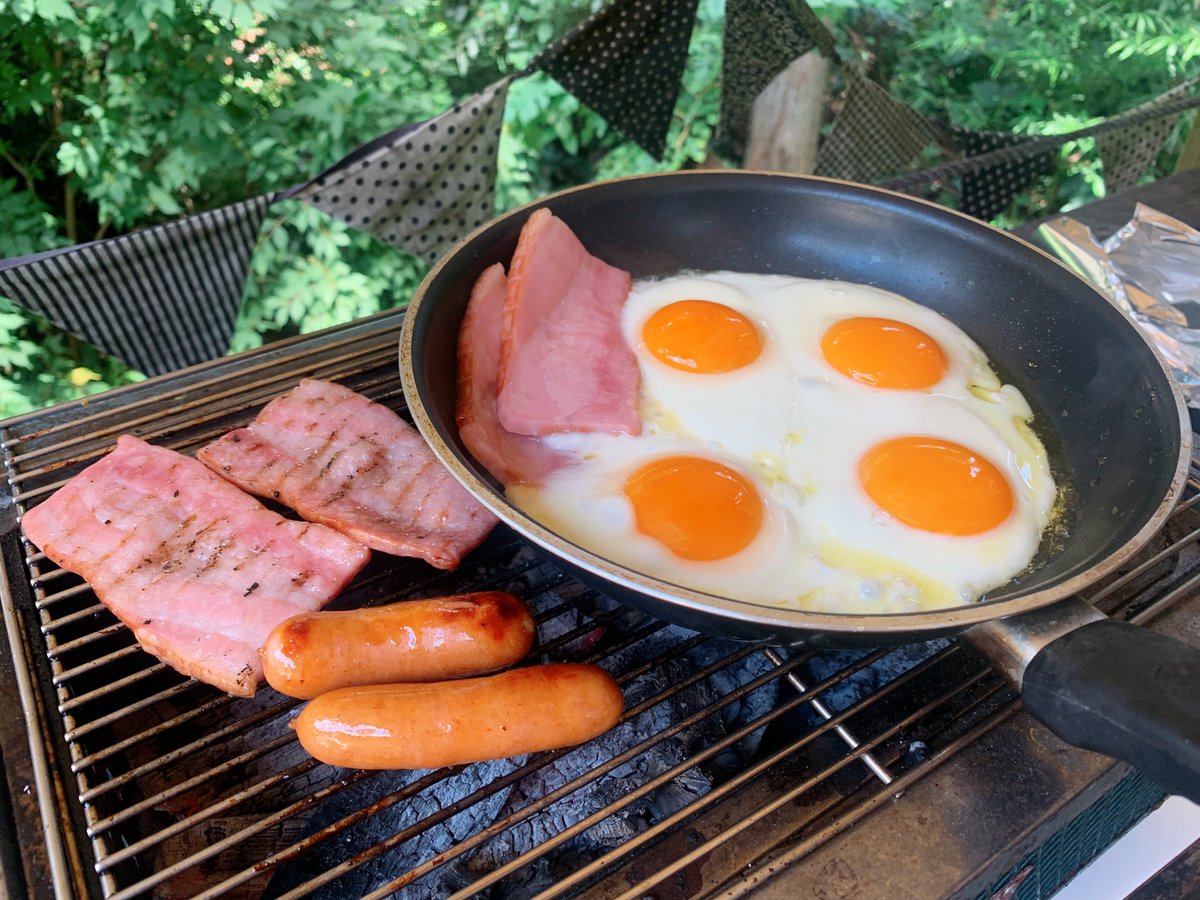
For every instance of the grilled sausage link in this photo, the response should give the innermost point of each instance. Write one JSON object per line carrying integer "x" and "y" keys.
{"x": 423, "y": 726}
{"x": 414, "y": 640}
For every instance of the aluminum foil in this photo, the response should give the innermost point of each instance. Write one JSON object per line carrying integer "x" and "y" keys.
{"x": 1151, "y": 269}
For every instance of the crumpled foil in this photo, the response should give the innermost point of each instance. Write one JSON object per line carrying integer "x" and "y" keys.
{"x": 1151, "y": 269}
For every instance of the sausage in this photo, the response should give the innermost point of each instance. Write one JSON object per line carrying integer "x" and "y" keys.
{"x": 424, "y": 726}
{"x": 414, "y": 640}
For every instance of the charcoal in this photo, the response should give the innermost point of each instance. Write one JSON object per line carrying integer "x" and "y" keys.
{"x": 384, "y": 823}
{"x": 531, "y": 827}
{"x": 850, "y": 690}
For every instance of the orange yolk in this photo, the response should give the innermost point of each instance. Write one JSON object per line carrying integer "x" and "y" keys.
{"x": 936, "y": 485}
{"x": 701, "y": 336}
{"x": 884, "y": 353}
{"x": 696, "y": 507}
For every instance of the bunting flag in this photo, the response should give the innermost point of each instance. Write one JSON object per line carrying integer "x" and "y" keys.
{"x": 1126, "y": 154}
{"x": 421, "y": 187}
{"x": 875, "y": 135}
{"x": 626, "y": 63}
{"x": 762, "y": 37}
{"x": 987, "y": 191}
{"x": 160, "y": 299}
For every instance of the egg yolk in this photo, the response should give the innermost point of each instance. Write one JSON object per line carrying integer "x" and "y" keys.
{"x": 702, "y": 336}
{"x": 697, "y": 508}
{"x": 884, "y": 353}
{"x": 936, "y": 485}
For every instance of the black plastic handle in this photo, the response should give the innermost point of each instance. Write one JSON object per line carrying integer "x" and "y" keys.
{"x": 1126, "y": 692}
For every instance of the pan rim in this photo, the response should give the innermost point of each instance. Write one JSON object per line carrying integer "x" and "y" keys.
{"x": 769, "y": 618}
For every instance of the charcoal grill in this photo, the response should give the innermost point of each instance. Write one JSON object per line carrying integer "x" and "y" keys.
{"x": 739, "y": 768}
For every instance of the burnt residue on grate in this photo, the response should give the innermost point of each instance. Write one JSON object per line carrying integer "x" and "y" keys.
{"x": 726, "y": 752}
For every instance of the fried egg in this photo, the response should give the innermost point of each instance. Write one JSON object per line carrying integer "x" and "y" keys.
{"x": 807, "y": 444}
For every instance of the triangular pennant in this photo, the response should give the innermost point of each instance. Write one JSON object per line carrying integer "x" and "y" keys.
{"x": 762, "y": 37}
{"x": 626, "y": 63}
{"x": 160, "y": 299}
{"x": 986, "y": 192}
{"x": 874, "y": 136}
{"x": 1127, "y": 153}
{"x": 421, "y": 187}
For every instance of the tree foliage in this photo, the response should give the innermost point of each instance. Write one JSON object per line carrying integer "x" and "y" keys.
{"x": 120, "y": 114}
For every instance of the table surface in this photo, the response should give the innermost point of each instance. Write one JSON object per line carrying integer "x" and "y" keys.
{"x": 1178, "y": 196}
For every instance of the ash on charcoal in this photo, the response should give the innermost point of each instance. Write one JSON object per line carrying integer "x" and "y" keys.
{"x": 658, "y": 804}
{"x": 854, "y": 687}
{"x": 588, "y": 624}
{"x": 386, "y": 822}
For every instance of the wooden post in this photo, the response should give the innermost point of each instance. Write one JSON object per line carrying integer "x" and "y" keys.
{"x": 785, "y": 121}
{"x": 1189, "y": 156}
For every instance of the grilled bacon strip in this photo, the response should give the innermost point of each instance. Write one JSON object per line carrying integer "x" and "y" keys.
{"x": 337, "y": 458}
{"x": 198, "y": 570}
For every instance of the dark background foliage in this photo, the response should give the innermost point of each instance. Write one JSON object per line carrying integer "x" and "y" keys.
{"x": 119, "y": 114}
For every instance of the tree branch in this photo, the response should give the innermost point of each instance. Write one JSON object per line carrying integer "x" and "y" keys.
{"x": 20, "y": 170}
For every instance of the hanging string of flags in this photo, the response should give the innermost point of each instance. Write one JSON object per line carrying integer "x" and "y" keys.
{"x": 166, "y": 297}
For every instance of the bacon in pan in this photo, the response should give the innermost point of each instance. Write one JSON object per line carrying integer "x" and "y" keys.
{"x": 564, "y": 363}
{"x": 513, "y": 458}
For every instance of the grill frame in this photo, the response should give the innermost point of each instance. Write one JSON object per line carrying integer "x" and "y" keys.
{"x": 771, "y": 837}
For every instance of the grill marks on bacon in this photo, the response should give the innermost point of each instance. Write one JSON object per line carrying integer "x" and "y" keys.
{"x": 198, "y": 570}
{"x": 564, "y": 364}
{"x": 337, "y": 458}
{"x": 513, "y": 458}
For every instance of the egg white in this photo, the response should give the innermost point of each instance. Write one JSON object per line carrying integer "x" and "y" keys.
{"x": 798, "y": 427}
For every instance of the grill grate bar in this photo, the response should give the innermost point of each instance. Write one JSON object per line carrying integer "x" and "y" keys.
{"x": 136, "y": 706}
{"x": 823, "y": 711}
{"x": 199, "y": 377}
{"x": 55, "y": 625}
{"x": 1146, "y": 565}
{"x": 748, "y": 882}
{"x": 232, "y": 840}
{"x": 81, "y": 699}
{"x": 328, "y": 831}
{"x": 165, "y": 426}
{"x": 539, "y": 762}
{"x": 194, "y": 747}
{"x": 542, "y": 760}
{"x": 744, "y": 777}
{"x": 617, "y": 761}
{"x": 161, "y": 727}
{"x": 54, "y": 652}
{"x": 41, "y": 578}
{"x": 65, "y": 675}
{"x": 1165, "y": 602}
{"x": 178, "y": 788}
{"x": 787, "y": 797}
{"x": 219, "y": 401}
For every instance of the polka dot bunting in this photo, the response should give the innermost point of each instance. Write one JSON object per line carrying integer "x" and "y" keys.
{"x": 421, "y": 187}
{"x": 874, "y": 136}
{"x": 762, "y": 37}
{"x": 626, "y": 62}
{"x": 987, "y": 192}
{"x": 1126, "y": 154}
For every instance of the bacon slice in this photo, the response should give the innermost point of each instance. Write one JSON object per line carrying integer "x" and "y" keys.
{"x": 337, "y": 458}
{"x": 199, "y": 571}
{"x": 513, "y": 458}
{"x": 564, "y": 364}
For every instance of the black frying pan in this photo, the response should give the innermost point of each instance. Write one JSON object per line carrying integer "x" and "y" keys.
{"x": 1110, "y": 414}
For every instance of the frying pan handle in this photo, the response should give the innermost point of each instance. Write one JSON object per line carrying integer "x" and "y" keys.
{"x": 1124, "y": 691}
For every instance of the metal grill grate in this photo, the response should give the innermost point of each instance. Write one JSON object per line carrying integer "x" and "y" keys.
{"x": 729, "y": 756}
